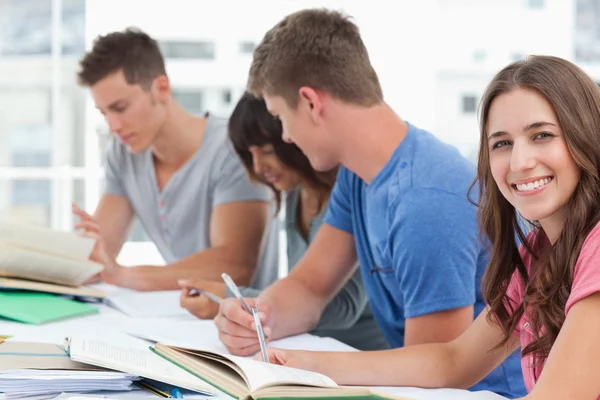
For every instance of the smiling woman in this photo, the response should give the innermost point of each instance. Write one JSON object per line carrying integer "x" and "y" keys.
{"x": 529, "y": 158}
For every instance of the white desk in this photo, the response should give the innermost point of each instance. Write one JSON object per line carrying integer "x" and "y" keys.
{"x": 112, "y": 324}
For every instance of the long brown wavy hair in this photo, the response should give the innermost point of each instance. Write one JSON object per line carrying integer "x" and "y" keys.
{"x": 575, "y": 98}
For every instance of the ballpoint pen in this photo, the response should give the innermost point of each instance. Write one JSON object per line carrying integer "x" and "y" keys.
{"x": 236, "y": 292}
{"x": 254, "y": 312}
{"x": 197, "y": 292}
{"x": 176, "y": 393}
{"x": 261, "y": 335}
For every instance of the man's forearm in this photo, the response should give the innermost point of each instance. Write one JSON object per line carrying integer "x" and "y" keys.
{"x": 297, "y": 309}
{"x": 208, "y": 265}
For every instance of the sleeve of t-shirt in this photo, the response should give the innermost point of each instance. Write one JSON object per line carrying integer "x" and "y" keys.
{"x": 436, "y": 246}
{"x": 339, "y": 210}
{"x": 112, "y": 166}
{"x": 233, "y": 184}
{"x": 586, "y": 277}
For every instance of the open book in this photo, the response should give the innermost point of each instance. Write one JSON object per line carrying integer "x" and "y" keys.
{"x": 249, "y": 379}
{"x": 45, "y": 255}
{"x": 133, "y": 360}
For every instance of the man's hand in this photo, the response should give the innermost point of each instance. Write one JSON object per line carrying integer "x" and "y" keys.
{"x": 236, "y": 327}
{"x": 89, "y": 227}
{"x": 199, "y": 305}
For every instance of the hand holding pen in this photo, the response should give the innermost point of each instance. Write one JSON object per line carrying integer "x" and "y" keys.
{"x": 201, "y": 297}
{"x": 240, "y": 327}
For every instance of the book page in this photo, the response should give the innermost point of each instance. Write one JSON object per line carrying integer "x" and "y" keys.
{"x": 19, "y": 262}
{"x": 142, "y": 362}
{"x": 260, "y": 374}
{"x": 51, "y": 241}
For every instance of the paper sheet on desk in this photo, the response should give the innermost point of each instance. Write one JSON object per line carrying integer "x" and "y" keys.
{"x": 203, "y": 335}
{"x": 147, "y": 304}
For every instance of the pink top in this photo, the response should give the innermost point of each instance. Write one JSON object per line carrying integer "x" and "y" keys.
{"x": 585, "y": 282}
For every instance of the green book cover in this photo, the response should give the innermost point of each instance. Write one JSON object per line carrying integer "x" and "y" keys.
{"x": 39, "y": 308}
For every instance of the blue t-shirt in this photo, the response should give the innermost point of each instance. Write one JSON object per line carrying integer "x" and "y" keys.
{"x": 417, "y": 239}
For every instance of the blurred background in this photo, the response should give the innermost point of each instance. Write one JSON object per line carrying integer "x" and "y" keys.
{"x": 433, "y": 57}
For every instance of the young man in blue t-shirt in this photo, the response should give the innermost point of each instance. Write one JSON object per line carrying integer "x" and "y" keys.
{"x": 399, "y": 208}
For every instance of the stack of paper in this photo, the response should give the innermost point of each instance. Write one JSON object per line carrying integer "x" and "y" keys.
{"x": 23, "y": 383}
{"x": 43, "y": 370}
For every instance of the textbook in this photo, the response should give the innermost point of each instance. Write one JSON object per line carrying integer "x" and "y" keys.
{"x": 247, "y": 379}
{"x": 45, "y": 255}
{"x": 137, "y": 360}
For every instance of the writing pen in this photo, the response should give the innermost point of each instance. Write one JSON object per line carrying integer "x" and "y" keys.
{"x": 197, "y": 292}
{"x": 176, "y": 393}
{"x": 259, "y": 330}
{"x": 236, "y": 292}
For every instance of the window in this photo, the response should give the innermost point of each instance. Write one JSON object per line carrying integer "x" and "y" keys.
{"x": 469, "y": 104}
{"x": 479, "y": 55}
{"x": 194, "y": 50}
{"x": 587, "y": 34}
{"x": 191, "y": 100}
{"x": 26, "y": 27}
{"x": 227, "y": 96}
{"x": 31, "y": 158}
{"x": 28, "y": 192}
{"x": 536, "y": 3}
{"x": 516, "y": 56}
{"x": 247, "y": 47}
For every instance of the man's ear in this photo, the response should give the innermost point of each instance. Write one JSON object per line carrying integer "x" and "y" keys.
{"x": 162, "y": 89}
{"x": 311, "y": 100}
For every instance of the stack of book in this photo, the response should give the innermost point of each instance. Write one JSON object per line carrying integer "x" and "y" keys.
{"x": 36, "y": 265}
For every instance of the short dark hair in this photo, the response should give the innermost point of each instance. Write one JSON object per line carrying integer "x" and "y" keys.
{"x": 318, "y": 48}
{"x": 132, "y": 51}
{"x": 251, "y": 124}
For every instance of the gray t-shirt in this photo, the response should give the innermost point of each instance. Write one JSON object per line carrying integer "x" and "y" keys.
{"x": 348, "y": 317}
{"x": 177, "y": 219}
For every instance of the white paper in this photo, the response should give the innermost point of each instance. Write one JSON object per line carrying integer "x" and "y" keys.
{"x": 203, "y": 335}
{"x": 147, "y": 304}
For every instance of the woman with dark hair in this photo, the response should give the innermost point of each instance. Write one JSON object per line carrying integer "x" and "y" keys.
{"x": 257, "y": 138}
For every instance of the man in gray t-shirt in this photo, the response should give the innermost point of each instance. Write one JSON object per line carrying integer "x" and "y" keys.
{"x": 176, "y": 173}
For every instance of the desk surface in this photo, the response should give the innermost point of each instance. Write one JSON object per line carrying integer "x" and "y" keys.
{"x": 110, "y": 324}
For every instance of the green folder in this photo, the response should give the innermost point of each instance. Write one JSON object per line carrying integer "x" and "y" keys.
{"x": 38, "y": 308}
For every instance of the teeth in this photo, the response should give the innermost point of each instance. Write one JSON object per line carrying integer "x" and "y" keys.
{"x": 524, "y": 187}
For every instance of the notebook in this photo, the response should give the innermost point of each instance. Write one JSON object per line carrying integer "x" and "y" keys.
{"x": 39, "y": 308}
{"x": 243, "y": 378}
